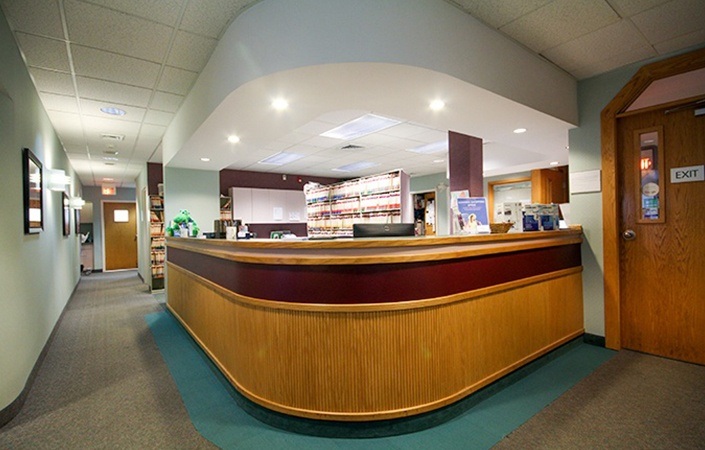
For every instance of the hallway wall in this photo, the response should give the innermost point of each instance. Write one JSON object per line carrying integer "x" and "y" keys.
{"x": 38, "y": 272}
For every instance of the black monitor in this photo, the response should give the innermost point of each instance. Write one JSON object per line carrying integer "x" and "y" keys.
{"x": 383, "y": 229}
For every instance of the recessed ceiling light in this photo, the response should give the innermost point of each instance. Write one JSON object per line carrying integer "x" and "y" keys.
{"x": 281, "y": 158}
{"x": 433, "y": 147}
{"x": 108, "y": 179}
{"x": 113, "y": 111}
{"x": 233, "y": 139}
{"x": 280, "y": 104}
{"x": 554, "y": 163}
{"x": 520, "y": 130}
{"x": 438, "y": 160}
{"x": 362, "y": 126}
{"x": 109, "y": 158}
{"x": 205, "y": 159}
{"x": 437, "y": 105}
{"x": 354, "y": 167}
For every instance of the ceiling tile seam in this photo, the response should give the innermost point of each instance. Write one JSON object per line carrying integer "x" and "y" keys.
{"x": 100, "y": 5}
{"x": 64, "y": 26}
{"x": 165, "y": 58}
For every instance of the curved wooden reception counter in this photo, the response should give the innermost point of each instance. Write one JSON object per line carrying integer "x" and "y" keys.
{"x": 372, "y": 329}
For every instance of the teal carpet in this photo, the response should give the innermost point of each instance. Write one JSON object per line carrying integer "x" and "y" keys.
{"x": 211, "y": 401}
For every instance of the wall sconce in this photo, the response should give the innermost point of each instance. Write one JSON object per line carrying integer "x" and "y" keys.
{"x": 57, "y": 179}
{"x": 76, "y": 202}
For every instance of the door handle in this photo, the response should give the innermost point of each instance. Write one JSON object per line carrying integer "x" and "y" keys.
{"x": 629, "y": 235}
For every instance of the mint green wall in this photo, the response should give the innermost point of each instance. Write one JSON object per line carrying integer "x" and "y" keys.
{"x": 197, "y": 191}
{"x": 38, "y": 272}
{"x": 438, "y": 183}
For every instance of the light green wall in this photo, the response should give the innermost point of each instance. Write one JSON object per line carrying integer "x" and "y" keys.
{"x": 198, "y": 191}
{"x": 143, "y": 242}
{"x": 438, "y": 183}
{"x": 38, "y": 272}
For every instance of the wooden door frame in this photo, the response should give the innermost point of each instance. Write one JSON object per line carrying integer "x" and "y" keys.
{"x": 102, "y": 231}
{"x": 610, "y": 184}
{"x": 490, "y": 191}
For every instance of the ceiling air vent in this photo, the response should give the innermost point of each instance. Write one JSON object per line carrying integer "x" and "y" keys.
{"x": 112, "y": 137}
{"x": 351, "y": 147}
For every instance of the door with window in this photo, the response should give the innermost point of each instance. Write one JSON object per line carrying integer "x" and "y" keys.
{"x": 120, "y": 235}
{"x": 662, "y": 250}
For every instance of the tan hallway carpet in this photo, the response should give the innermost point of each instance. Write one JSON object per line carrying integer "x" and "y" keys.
{"x": 103, "y": 383}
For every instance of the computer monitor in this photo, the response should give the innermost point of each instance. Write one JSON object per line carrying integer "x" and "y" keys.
{"x": 383, "y": 229}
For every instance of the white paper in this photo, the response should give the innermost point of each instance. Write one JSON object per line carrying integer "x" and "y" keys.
{"x": 584, "y": 182}
{"x": 278, "y": 213}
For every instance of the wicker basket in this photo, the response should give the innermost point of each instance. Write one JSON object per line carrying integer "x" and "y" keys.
{"x": 501, "y": 227}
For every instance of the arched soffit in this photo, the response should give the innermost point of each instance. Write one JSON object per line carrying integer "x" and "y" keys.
{"x": 275, "y": 36}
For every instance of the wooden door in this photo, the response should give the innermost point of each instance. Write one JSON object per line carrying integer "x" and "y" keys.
{"x": 120, "y": 236}
{"x": 662, "y": 251}
{"x": 430, "y": 213}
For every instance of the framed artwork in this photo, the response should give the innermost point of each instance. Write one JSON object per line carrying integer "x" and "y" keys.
{"x": 66, "y": 214}
{"x": 77, "y": 220}
{"x": 32, "y": 192}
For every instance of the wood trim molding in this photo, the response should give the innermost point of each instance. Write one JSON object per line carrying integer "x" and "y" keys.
{"x": 610, "y": 184}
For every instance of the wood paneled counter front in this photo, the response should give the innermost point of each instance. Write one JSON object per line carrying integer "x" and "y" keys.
{"x": 371, "y": 329}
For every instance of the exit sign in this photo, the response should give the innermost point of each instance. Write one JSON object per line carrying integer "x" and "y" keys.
{"x": 687, "y": 174}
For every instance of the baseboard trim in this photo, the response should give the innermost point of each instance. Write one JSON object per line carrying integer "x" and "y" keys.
{"x": 594, "y": 339}
{"x": 10, "y": 411}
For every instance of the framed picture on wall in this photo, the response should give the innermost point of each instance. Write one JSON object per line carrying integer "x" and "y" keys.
{"x": 66, "y": 214}
{"x": 77, "y": 220}
{"x": 32, "y": 192}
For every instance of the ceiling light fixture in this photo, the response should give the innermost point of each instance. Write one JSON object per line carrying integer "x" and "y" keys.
{"x": 553, "y": 163}
{"x": 280, "y": 104}
{"x": 437, "y": 105}
{"x": 354, "y": 167}
{"x": 110, "y": 158}
{"x": 110, "y": 152}
{"x": 113, "y": 111}
{"x": 108, "y": 179}
{"x": 205, "y": 159}
{"x": 520, "y": 130}
{"x": 437, "y": 161}
{"x": 433, "y": 147}
{"x": 233, "y": 139}
{"x": 362, "y": 126}
{"x": 281, "y": 158}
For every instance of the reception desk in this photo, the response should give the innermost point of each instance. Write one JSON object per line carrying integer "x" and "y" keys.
{"x": 371, "y": 329}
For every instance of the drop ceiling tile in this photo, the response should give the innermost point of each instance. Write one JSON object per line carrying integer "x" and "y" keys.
{"x": 599, "y": 45}
{"x": 66, "y": 122}
{"x": 56, "y": 102}
{"x": 145, "y": 147}
{"x": 152, "y": 130}
{"x": 628, "y": 57}
{"x": 113, "y": 67}
{"x": 404, "y": 130}
{"x": 560, "y": 21}
{"x": 627, "y": 8}
{"x": 54, "y": 82}
{"x": 40, "y": 17}
{"x": 98, "y": 27}
{"x": 671, "y": 20}
{"x": 681, "y": 42}
{"x": 158, "y": 117}
{"x": 497, "y": 14}
{"x": 76, "y": 151}
{"x": 190, "y": 52}
{"x": 43, "y": 52}
{"x": 162, "y": 11}
{"x": 92, "y": 108}
{"x": 94, "y": 126}
{"x": 209, "y": 18}
{"x": 110, "y": 92}
{"x": 164, "y": 101}
{"x": 176, "y": 81}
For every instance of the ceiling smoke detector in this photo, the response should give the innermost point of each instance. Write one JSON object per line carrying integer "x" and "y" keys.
{"x": 112, "y": 137}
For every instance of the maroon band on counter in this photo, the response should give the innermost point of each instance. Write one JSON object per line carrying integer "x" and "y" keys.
{"x": 374, "y": 283}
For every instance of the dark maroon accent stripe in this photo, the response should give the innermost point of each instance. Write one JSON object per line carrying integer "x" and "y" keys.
{"x": 375, "y": 283}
